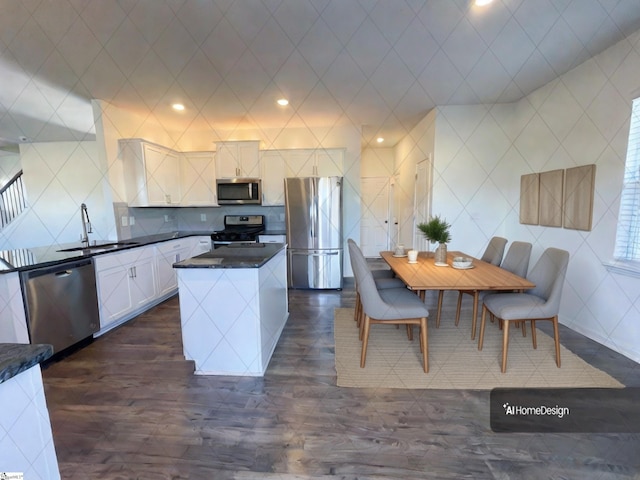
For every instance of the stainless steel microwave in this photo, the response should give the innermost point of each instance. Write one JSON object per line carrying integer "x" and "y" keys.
{"x": 239, "y": 191}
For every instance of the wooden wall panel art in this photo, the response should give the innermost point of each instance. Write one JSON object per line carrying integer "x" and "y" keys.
{"x": 551, "y": 185}
{"x": 578, "y": 197}
{"x": 529, "y": 198}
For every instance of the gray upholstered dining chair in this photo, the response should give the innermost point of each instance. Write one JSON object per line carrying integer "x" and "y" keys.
{"x": 493, "y": 255}
{"x": 396, "y": 306}
{"x": 539, "y": 303}
{"x": 494, "y": 251}
{"x": 383, "y": 279}
{"x": 515, "y": 261}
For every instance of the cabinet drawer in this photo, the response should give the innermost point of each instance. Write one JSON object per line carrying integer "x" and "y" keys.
{"x": 272, "y": 238}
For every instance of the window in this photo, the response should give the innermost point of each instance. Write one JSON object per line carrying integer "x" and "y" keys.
{"x": 628, "y": 234}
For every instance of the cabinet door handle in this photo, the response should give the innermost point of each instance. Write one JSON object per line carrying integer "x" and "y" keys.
{"x": 130, "y": 272}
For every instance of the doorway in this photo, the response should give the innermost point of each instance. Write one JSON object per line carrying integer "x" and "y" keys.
{"x": 374, "y": 221}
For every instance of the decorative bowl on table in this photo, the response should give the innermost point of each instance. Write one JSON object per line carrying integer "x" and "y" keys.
{"x": 462, "y": 262}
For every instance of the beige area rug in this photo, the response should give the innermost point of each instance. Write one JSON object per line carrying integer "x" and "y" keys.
{"x": 454, "y": 360}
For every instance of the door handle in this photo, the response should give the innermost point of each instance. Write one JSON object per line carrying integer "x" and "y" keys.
{"x": 64, "y": 273}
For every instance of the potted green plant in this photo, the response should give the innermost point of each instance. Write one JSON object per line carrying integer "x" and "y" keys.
{"x": 436, "y": 230}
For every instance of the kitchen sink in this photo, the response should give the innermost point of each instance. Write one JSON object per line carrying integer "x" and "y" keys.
{"x": 98, "y": 247}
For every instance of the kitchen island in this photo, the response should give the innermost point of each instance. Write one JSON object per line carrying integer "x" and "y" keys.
{"x": 26, "y": 441}
{"x": 233, "y": 307}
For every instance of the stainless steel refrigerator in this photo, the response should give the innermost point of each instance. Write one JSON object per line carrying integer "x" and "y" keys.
{"x": 313, "y": 215}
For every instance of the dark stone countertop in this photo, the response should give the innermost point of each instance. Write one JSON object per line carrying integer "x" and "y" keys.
{"x": 23, "y": 259}
{"x": 241, "y": 255}
{"x": 15, "y": 358}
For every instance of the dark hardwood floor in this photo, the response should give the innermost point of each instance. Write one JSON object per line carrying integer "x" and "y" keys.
{"x": 128, "y": 407}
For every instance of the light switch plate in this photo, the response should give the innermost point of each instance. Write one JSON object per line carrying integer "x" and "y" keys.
{"x": 132, "y": 220}
{"x": 124, "y": 221}
{"x": 203, "y": 217}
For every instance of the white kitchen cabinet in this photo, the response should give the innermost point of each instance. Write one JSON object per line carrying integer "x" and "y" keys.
{"x": 198, "y": 179}
{"x": 126, "y": 283}
{"x": 273, "y": 166}
{"x": 238, "y": 159}
{"x": 272, "y": 238}
{"x": 321, "y": 162}
{"x": 329, "y": 162}
{"x": 200, "y": 245}
{"x": 300, "y": 163}
{"x": 168, "y": 253}
{"x": 276, "y": 165}
{"x": 151, "y": 173}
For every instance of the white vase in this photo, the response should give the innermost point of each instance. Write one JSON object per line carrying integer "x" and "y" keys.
{"x": 440, "y": 255}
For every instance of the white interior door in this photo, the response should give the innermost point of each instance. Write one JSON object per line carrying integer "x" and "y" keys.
{"x": 374, "y": 222}
{"x": 421, "y": 202}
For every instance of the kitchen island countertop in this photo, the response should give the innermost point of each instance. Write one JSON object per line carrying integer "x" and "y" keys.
{"x": 241, "y": 255}
{"x": 15, "y": 358}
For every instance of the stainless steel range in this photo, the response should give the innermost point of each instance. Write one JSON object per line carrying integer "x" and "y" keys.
{"x": 238, "y": 229}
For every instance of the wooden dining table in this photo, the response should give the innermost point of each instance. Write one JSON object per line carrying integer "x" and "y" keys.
{"x": 426, "y": 275}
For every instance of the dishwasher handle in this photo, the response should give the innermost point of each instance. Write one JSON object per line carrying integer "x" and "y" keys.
{"x": 56, "y": 269}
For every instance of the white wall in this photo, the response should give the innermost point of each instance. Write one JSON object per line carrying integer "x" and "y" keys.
{"x": 417, "y": 146}
{"x": 58, "y": 178}
{"x": 9, "y": 166}
{"x": 377, "y": 162}
{"x": 580, "y": 118}
{"x": 476, "y": 177}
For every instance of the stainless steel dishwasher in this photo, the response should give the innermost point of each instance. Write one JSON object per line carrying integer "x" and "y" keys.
{"x": 61, "y": 303}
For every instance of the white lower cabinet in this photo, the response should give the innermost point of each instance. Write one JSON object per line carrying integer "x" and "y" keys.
{"x": 168, "y": 253}
{"x": 126, "y": 283}
{"x": 272, "y": 238}
{"x": 133, "y": 280}
{"x": 200, "y": 245}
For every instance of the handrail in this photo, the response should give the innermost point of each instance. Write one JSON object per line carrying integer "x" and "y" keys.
{"x": 12, "y": 199}
{"x": 8, "y": 184}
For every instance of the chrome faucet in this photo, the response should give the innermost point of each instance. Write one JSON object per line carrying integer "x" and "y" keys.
{"x": 86, "y": 224}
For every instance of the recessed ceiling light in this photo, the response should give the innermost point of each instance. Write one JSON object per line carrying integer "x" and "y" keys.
{"x": 379, "y": 139}
{"x": 178, "y": 106}
{"x": 482, "y": 3}
{"x": 283, "y": 102}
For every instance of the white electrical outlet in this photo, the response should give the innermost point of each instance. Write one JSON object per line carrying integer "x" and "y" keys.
{"x": 124, "y": 221}
{"x": 132, "y": 220}
{"x": 166, "y": 218}
{"x": 203, "y": 217}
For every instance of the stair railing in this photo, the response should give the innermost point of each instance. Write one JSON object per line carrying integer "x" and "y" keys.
{"x": 12, "y": 199}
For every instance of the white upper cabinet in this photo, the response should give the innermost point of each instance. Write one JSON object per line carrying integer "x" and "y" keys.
{"x": 151, "y": 173}
{"x": 276, "y": 165}
{"x": 329, "y": 162}
{"x": 238, "y": 159}
{"x": 321, "y": 162}
{"x": 273, "y": 166}
{"x": 300, "y": 163}
{"x": 198, "y": 179}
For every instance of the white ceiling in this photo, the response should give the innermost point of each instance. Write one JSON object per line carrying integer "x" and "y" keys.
{"x": 379, "y": 64}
